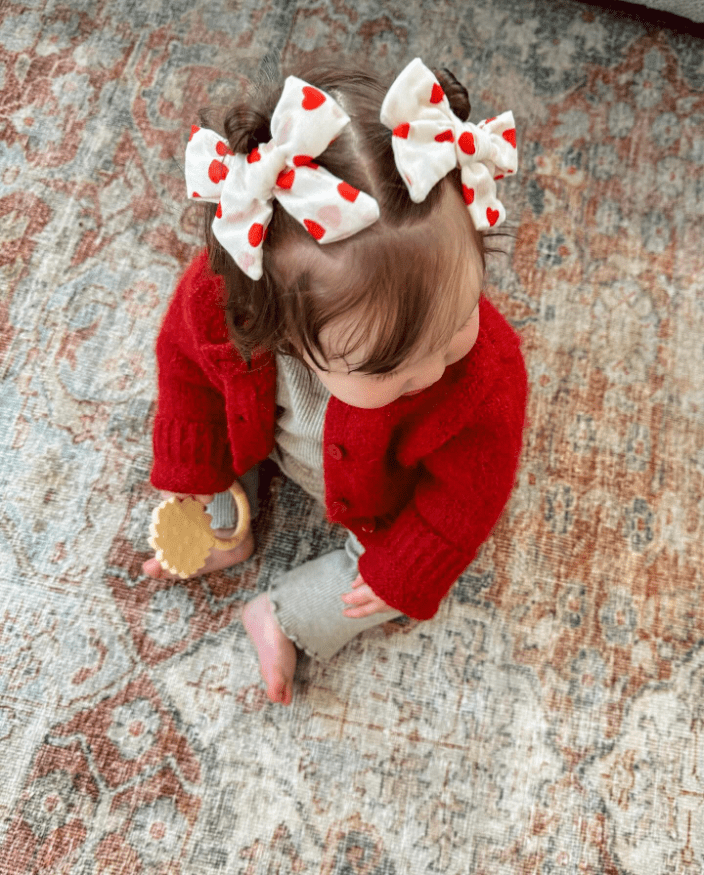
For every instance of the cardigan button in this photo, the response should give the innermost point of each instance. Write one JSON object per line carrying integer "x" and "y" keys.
{"x": 367, "y": 525}
{"x": 335, "y": 452}
{"x": 338, "y": 509}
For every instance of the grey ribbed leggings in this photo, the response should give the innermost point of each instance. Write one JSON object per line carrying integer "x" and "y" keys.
{"x": 307, "y": 600}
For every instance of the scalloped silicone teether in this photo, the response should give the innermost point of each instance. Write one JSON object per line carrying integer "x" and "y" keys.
{"x": 181, "y": 536}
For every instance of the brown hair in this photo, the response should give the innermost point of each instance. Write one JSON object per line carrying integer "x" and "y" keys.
{"x": 395, "y": 286}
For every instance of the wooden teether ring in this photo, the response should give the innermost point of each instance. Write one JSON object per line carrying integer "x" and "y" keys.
{"x": 243, "y": 519}
{"x": 181, "y": 536}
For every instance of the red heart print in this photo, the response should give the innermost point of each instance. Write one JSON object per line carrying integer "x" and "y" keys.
{"x": 285, "y": 178}
{"x": 510, "y": 136}
{"x": 312, "y": 98}
{"x": 348, "y": 192}
{"x": 490, "y": 120}
{"x": 217, "y": 171}
{"x": 223, "y": 149}
{"x": 466, "y": 143}
{"x": 255, "y": 234}
{"x": 468, "y": 195}
{"x": 492, "y": 216}
{"x": 301, "y": 160}
{"x": 445, "y": 137}
{"x": 195, "y": 194}
{"x": 254, "y": 156}
{"x": 314, "y": 229}
{"x": 402, "y": 130}
{"x": 437, "y": 94}
{"x": 218, "y": 212}
{"x": 194, "y": 131}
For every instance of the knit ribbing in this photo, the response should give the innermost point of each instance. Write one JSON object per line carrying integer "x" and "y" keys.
{"x": 299, "y": 433}
{"x": 184, "y": 451}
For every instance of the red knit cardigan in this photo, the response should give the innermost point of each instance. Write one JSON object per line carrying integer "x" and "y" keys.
{"x": 421, "y": 481}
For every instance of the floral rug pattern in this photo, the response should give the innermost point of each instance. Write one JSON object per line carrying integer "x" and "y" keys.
{"x": 549, "y": 718}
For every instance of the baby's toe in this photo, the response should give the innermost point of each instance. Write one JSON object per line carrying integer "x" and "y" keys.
{"x": 152, "y": 567}
{"x": 288, "y": 694}
{"x": 279, "y": 691}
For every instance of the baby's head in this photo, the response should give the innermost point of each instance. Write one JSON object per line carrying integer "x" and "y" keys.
{"x": 382, "y": 313}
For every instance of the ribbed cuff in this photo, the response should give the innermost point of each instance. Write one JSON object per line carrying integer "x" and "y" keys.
{"x": 411, "y": 567}
{"x": 190, "y": 457}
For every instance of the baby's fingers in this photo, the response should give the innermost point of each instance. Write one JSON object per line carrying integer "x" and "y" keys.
{"x": 358, "y": 604}
{"x": 359, "y": 596}
{"x": 363, "y": 602}
{"x": 203, "y": 499}
{"x": 360, "y": 611}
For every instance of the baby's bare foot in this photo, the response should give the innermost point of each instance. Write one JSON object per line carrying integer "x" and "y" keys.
{"x": 277, "y": 653}
{"x": 217, "y": 560}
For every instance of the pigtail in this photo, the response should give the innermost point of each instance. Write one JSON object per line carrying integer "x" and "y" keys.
{"x": 246, "y": 127}
{"x": 459, "y": 103}
{"x": 456, "y": 93}
{"x": 251, "y": 306}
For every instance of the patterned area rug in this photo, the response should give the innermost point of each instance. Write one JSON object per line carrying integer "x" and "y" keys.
{"x": 549, "y": 719}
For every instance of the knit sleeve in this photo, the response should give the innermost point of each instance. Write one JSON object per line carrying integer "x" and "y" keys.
{"x": 190, "y": 437}
{"x": 463, "y": 489}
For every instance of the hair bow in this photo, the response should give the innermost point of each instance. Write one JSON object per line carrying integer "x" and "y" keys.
{"x": 429, "y": 141}
{"x": 306, "y": 120}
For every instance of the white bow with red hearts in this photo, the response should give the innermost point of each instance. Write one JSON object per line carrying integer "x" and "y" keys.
{"x": 430, "y": 140}
{"x": 306, "y": 120}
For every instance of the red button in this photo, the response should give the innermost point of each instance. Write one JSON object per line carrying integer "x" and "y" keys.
{"x": 367, "y": 525}
{"x": 335, "y": 452}
{"x": 338, "y": 509}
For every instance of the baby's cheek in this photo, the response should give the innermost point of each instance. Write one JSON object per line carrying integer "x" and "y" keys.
{"x": 472, "y": 340}
{"x": 466, "y": 339}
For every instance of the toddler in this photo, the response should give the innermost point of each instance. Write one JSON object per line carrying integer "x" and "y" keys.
{"x": 336, "y": 324}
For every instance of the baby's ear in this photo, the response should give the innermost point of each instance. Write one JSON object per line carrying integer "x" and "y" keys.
{"x": 456, "y": 93}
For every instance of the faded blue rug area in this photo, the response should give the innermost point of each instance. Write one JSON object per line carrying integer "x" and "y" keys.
{"x": 548, "y": 719}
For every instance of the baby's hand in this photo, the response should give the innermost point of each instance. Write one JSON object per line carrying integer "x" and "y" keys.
{"x": 204, "y": 499}
{"x": 219, "y": 557}
{"x": 363, "y": 600}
